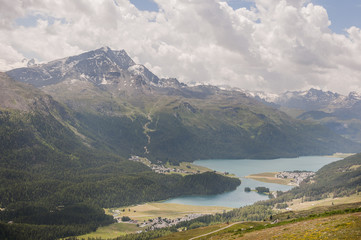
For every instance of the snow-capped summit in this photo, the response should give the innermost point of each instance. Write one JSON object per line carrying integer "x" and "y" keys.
{"x": 309, "y": 100}
{"x": 262, "y": 96}
{"x": 99, "y": 66}
{"x": 354, "y": 96}
{"x": 103, "y": 67}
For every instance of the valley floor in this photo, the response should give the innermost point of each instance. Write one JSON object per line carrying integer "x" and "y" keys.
{"x": 143, "y": 213}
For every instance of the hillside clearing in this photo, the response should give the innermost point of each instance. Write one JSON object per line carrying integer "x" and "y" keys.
{"x": 112, "y": 231}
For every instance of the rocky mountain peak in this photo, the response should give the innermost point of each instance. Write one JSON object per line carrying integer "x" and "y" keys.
{"x": 104, "y": 68}
{"x": 94, "y": 66}
{"x": 102, "y": 56}
{"x": 354, "y": 96}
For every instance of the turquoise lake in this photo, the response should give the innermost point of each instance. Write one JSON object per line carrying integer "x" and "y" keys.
{"x": 244, "y": 167}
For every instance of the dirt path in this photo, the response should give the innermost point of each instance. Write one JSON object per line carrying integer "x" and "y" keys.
{"x": 215, "y": 231}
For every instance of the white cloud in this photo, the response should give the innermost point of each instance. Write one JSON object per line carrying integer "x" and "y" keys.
{"x": 278, "y": 45}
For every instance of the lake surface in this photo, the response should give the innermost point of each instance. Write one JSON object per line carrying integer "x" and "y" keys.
{"x": 244, "y": 167}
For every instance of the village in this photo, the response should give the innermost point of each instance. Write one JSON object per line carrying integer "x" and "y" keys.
{"x": 160, "y": 168}
{"x": 296, "y": 177}
{"x": 154, "y": 223}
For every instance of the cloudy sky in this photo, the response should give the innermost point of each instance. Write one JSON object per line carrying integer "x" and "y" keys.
{"x": 271, "y": 45}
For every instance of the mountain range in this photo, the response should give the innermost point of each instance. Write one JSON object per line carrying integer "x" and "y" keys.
{"x": 55, "y": 180}
{"x": 123, "y": 107}
{"x": 340, "y": 113}
{"x": 67, "y": 128}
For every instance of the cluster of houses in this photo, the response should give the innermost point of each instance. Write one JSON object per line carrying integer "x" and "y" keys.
{"x": 159, "y": 222}
{"x": 163, "y": 169}
{"x": 158, "y": 168}
{"x": 296, "y": 176}
{"x": 155, "y": 223}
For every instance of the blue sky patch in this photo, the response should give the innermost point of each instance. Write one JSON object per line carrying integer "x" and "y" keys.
{"x": 145, "y": 5}
{"x": 342, "y": 14}
{"x": 31, "y": 20}
{"x": 236, "y": 4}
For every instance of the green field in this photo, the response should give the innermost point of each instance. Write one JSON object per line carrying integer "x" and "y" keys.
{"x": 112, "y": 231}
{"x": 166, "y": 210}
{"x": 269, "y": 177}
{"x": 148, "y": 211}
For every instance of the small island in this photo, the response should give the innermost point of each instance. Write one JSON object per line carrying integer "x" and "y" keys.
{"x": 293, "y": 178}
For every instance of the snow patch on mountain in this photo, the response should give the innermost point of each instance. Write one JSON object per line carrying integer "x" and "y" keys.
{"x": 312, "y": 99}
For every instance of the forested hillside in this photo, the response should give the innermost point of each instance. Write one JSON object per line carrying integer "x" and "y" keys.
{"x": 337, "y": 179}
{"x": 55, "y": 185}
{"x": 124, "y": 108}
{"x": 63, "y": 153}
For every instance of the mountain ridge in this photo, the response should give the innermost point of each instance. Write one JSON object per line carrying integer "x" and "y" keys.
{"x": 312, "y": 99}
{"x": 55, "y": 182}
{"x": 166, "y": 120}
{"x": 339, "y": 113}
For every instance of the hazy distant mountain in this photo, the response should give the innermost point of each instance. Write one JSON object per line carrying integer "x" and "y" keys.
{"x": 340, "y": 113}
{"x": 314, "y": 99}
{"x": 124, "y": 107}
{"x": 309, "y": 100}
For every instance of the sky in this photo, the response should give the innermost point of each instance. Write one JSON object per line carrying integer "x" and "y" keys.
{"x": 258, "y": 45}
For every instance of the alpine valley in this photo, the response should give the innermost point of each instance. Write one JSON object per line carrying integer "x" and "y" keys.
{"x": 124, "y": 108}
{"x": 68, "y": 128}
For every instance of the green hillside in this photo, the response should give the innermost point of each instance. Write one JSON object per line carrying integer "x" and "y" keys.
{"x": 175, "y": 129}
{"x": 55, "y": 184}
{"x": 124, "y": 108}
{"x": 337, "y": 179}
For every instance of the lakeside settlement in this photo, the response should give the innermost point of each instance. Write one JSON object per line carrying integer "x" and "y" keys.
{"x": 292, "y": 178}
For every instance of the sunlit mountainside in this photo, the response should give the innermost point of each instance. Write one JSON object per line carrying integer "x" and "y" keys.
{"x": 166, "y": 120}
{"x": 68, "y": 128}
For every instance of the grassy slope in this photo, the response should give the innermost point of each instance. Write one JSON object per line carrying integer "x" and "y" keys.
{"x": 112, "y": 231}
{"x": 345, "y": 226}
{"x": 301, "y": 225}
{"x": 298, "y": 205}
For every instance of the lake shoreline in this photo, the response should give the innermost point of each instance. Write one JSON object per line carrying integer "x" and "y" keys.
{"x": 246, "y": 167}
